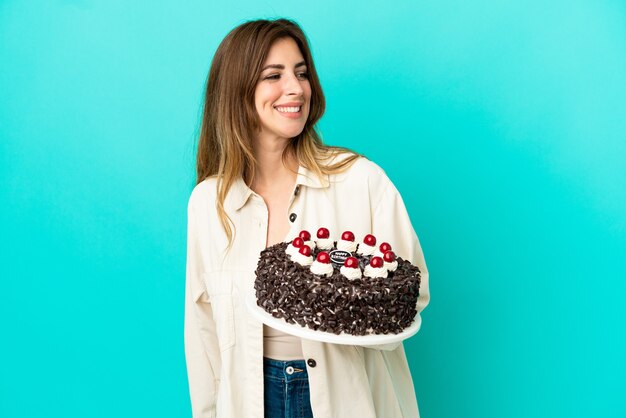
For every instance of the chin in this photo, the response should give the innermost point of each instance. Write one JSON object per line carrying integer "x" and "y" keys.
{"x": 292, "y": 133}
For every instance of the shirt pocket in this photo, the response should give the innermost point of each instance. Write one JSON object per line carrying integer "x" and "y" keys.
{"x": 220, "y": 289}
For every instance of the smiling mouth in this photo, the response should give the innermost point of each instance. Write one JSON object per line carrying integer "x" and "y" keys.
{"x": 288, "y": 109}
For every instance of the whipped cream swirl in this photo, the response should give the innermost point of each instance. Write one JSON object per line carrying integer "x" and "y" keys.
{"x": 311, "y": 244}
{"x": 344, "y": 245}
{"x": 302, "y": 259}
{"x": 375, "y": 272}
{"x": 365, "y": 249}
{"x": 322, "y": 269}
{"x": 291, "y": 250}
{"x": 351, "y": 272}
{"x": 325, "y": 243}
{"x": 391, "y": 266}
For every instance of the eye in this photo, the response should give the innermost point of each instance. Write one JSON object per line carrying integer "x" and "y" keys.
{"x": 272, "y": 77}
{"x": 303, "y": 75}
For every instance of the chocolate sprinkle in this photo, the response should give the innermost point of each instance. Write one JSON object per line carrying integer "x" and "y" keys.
{"x": 336, "y": 304}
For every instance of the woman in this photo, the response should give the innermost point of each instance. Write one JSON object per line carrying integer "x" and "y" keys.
{"x": 264, "y": 175}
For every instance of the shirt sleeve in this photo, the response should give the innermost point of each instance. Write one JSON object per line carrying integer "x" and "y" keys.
{"x": 391, "y": 223}
{"x": 201, "y": 348}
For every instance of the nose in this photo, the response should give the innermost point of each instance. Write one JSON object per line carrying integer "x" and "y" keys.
{"x": 293, "y": 86}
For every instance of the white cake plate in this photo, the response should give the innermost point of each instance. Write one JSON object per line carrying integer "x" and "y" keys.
{"x": 304, "y": 332}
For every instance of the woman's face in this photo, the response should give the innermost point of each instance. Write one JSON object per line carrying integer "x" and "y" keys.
{"x": 283, "y": 94}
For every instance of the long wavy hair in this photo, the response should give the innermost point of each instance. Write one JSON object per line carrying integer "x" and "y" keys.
{"x": 230, "y": 120}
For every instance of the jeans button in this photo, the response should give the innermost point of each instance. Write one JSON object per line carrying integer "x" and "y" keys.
{"x": 311, "y": 362}
{"x": 289, "y": 370}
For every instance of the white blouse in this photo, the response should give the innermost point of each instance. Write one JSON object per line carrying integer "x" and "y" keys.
{"x": 224, "y": 344}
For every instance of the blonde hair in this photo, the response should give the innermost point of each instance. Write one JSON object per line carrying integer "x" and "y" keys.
{"x": 230, "y": 120}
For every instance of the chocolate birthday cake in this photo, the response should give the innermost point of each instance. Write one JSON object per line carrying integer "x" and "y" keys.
{"x": 338, "y": 286}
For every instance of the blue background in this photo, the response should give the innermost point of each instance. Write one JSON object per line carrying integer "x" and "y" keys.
{"x": 501, "y": 122}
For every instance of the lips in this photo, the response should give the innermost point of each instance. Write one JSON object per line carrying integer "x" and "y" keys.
{"x": 290, "y": 110}
{"x": 290, "y": 104}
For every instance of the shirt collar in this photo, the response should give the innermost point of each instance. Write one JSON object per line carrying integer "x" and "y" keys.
{"x": 239, "y": 192}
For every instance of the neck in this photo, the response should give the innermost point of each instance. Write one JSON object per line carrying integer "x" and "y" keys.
{"x": 271, "y": 172}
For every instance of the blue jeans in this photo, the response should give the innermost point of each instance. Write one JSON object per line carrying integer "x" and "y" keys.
{"x": 286, "y": 389}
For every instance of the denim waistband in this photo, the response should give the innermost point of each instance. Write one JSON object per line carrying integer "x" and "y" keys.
{"x": 287, "y": 370}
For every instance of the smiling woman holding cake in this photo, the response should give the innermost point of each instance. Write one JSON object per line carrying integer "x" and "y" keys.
{"x": 264, "y": 175}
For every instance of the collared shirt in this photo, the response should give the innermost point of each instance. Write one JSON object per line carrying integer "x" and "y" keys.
{"x": 224, "y": 344}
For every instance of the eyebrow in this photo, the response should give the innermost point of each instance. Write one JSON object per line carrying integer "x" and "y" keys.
{"x": 282, "y": 67}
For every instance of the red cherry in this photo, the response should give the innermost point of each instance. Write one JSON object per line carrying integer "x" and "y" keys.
{"x": 370, "y": 240}
{"x": 298, "y": 242}
{"x": 323, "y": 233}
{"x": 384, "y": 247}
{"x": 305, "y": 250}
{"x": 323, "y": 257}
{"x": 347, "y": 236}
{"x": 305, "y": 235}
{"x": 389, "y": 256}
{"x": 376, "y": 262}
{"x": 351, "y": 262}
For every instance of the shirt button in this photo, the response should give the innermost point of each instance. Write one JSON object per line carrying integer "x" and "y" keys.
{"x": 296, "y": 191}
{"x": 311, "y": 362}
{"x": 293, "y": 217}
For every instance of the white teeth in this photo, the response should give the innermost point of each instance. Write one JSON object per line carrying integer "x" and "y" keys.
{"x": 288, "y": 109}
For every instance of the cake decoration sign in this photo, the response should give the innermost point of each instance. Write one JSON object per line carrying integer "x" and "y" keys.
{"x": 338, "y": 257}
